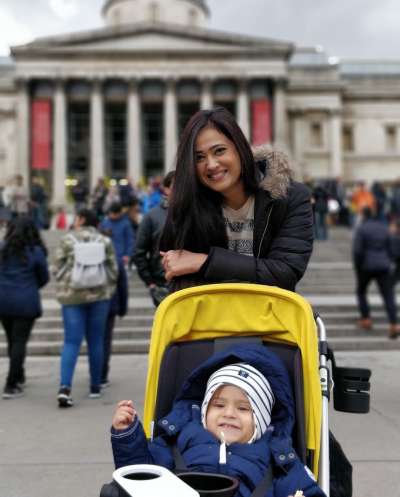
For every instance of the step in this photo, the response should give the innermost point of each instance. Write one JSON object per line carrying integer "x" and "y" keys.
{"x": 366, "y": 344}
{"x": 128, "y": 321}
{"x": 57, "y": 335}
{"x": 139, "y": 346}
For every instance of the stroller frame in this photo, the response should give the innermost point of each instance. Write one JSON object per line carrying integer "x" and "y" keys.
{"x": 276, "y": 315}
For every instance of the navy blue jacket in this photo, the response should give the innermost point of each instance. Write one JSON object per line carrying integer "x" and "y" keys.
{"x": 119, "y": 301}
{"x": 372, "y": 247}
{"x": 20, "y": 282}
{"x": 121, "y": 233}
{"x": 200, "y": 449}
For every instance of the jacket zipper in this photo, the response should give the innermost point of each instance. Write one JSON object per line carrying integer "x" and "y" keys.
{"x": 265, "y": 230}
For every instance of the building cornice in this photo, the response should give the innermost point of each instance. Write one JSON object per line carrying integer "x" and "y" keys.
{"x": 51, "y": 44}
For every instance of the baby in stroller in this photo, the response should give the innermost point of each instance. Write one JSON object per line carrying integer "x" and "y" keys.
{"x": 234, "y": 415}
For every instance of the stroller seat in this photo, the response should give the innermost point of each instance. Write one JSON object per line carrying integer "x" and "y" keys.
{"x": 189, "y": 355}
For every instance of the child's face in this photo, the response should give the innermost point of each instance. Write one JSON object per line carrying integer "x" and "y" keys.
{"x": 230, "y": 411}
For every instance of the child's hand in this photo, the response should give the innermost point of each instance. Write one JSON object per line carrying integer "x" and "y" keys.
{"x": 124, "y": 415}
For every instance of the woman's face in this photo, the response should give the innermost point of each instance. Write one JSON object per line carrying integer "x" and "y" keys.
{"x": 218, "y": 165}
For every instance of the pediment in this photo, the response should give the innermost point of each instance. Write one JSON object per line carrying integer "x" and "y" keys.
{"x": 151, "y": 38}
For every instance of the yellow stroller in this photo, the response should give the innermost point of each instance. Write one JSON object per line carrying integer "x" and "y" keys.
{"x": 193, "y": 324}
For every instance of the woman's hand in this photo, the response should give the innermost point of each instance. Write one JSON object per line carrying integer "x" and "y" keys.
{"x": 124, "y": 415}
{"x": 181, "y": 262}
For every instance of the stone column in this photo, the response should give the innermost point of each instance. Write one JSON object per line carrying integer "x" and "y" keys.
{"x": 298, "y": 140}
{"x": 60, "y": 144}
{"x": 97, "y": 138}
{"x": 336, "y": 144}
{"x": 135, "y": 160}
{"x": 23, "y": 127}
{"x": 206, "y": 100}
{"x": 281, "y": 137}
{"x": 243, "y": 108}
{"x": 170, "y": 125}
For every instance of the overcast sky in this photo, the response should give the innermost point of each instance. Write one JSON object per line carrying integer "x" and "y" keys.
{"x": 345, "y": 28}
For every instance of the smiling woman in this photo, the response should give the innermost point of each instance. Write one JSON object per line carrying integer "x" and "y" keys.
{"x": 234, "y": 215}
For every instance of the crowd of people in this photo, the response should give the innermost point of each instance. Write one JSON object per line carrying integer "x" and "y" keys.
{"x": 335, "y": 203}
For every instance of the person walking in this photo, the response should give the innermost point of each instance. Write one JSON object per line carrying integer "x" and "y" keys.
{"x": 234, "y": 216}
{"x": 395, "y": 251}
{"x": 16, "y": 197}
{"x": 117, "y": 226}
{"x": 23, "y": 270}
{"x": 79, "y": 194}
{"x": 39, "y": 204}
{"x": 98, "y": 197}
{"x": 372, "y": 261}
{"x": 118, "y": 307}
{"x": 85, "y": 298}
{"x": 320, "y": 205}
{"x": 361, "y": 199}
{"x": 147, "y": 254}
{"x": 395, "y": 200}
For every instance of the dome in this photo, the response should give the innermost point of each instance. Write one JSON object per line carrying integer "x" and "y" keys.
{"x": 190, "y": 13}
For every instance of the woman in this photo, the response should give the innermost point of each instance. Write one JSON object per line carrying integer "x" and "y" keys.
{"x": 23, "y": 270}
{"x": 234, "y": 216}
{"x": 84, "y": 309}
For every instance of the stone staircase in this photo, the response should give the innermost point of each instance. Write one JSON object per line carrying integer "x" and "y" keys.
{"x": 328, "y": 284}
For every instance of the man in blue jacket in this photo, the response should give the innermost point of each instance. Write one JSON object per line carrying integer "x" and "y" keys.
{"x": 118, "y": 227}
{"x": 234, "y": 415}
{"x": 372, "y": 261}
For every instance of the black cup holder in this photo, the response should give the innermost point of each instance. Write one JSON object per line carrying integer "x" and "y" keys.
{"x": 142, "y": 476}
{"x": 351, "y": 390}
{"x": 210, "y": 484}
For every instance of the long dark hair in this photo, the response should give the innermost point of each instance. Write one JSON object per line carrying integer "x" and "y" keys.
{"x": 194, "y": 220}
{"x": 21, "y": 234}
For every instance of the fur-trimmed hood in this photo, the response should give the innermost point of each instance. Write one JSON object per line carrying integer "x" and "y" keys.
{"x": 275, "y": 170}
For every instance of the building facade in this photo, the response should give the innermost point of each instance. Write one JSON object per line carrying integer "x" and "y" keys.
{"x": 113, "y": 101}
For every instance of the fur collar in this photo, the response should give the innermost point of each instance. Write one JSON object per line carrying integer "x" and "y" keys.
{"x": 278, "y": 174}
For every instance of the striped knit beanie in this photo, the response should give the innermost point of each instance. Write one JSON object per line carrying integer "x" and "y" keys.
{"x": 253, "y": 383}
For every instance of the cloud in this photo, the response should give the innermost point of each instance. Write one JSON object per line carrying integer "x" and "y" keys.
{"x": 64, "y": 9}
{"x": 12, "y": 32}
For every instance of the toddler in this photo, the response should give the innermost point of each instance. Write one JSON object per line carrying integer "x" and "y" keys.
{"x": 234, "y": 419}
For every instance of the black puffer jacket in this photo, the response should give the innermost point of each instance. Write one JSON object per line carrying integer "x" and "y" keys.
{"x": 283, "y": 231}
{"x": 147, "y": 254}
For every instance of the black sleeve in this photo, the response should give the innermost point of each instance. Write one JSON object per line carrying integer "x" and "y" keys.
{"x": 143, "y": 247}
{"x": 288, "y": 256}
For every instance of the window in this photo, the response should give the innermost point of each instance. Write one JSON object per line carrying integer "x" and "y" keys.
{"x": 391, "y": 138}
{"x": 316, "y": 140}
{"x": 348, "y": 138}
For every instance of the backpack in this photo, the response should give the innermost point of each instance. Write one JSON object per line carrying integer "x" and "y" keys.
{"x": 89, "y": 269}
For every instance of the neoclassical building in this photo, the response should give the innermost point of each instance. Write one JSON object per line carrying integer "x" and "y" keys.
{"x": 113, "y": 101}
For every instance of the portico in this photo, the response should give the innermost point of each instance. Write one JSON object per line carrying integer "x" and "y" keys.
{"x": 118, "y": 113}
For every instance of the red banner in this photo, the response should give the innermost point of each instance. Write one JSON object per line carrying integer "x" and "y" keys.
{"x": 41, "y": 134}
{"x": 261, "y": 120}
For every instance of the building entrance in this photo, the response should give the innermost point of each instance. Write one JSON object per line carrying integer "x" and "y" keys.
{"x": 116, "y": 140}
{"x": 152, "y": 138}
{"x": 78, "y": 141}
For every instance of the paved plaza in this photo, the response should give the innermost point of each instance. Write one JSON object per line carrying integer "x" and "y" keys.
{"x": 45, "y": 451}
